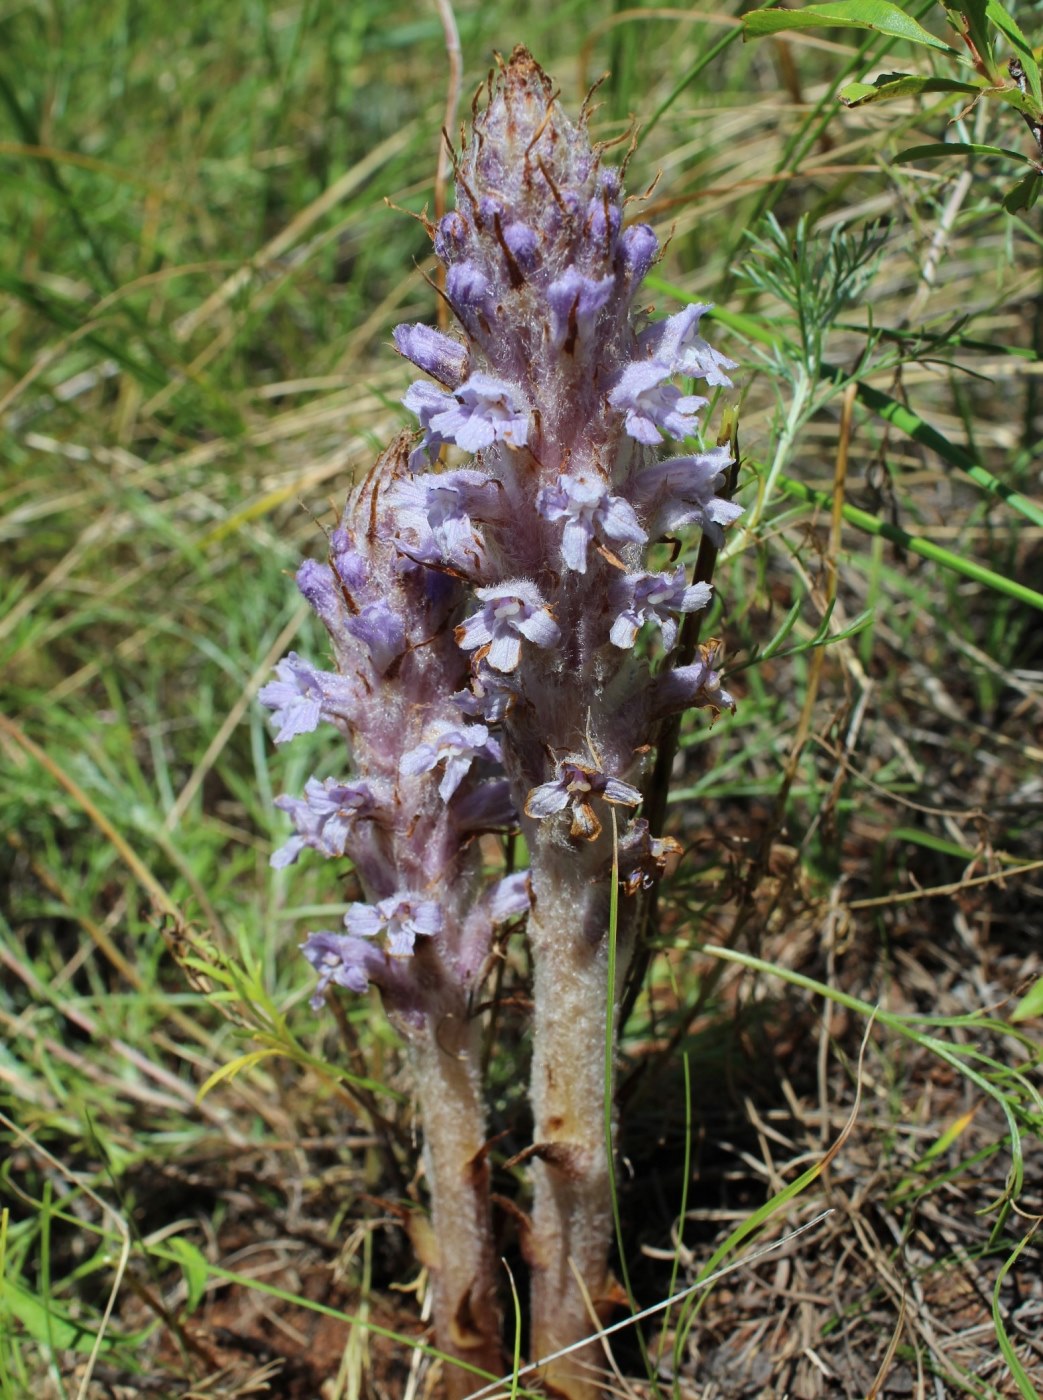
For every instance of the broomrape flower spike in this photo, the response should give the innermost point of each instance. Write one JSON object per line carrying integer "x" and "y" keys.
{"x": 483, "y": 622}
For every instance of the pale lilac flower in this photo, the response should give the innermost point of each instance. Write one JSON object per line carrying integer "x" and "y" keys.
{"x": 522, "y": 245}
{"x": 650, "y": 402}
{"x": 301, "y": 696}
{"x": 436, "y": 354}
{"x": 324, "y": 817}
{"x": 340, "y": 959}
{"x": 426, "y": 402}
{"x": 488, "y": 806}
{"x": 677, "y": 344}
{"x": 381, "y": 631}
{"x": 639, "y": 248}
{"x": 688, "y": 687}
{"x": 511, "y": 611}
{"x": 482, "y": 411}
{"x": 347, "y": 562}
{"x": 651, "y": 598}
{"x": 575, "y": 302}
{"x": 486, "y": 410}
{"x": 468, "y": 292}
{"x": 457, "y": 746}
{"x": 403, "y": 917}
{"x": 451, "y": 236}
{"x": 448, "y": 501}
{"x": 680, "y": 492}
{"x": 590, "y": 513}
{"x": 574, "y": 785}
{"x": 604, "y": 218}
{"x": 510, "y": 897}
{"x": 489, "y": 697}
{"x": 321, "y": 587}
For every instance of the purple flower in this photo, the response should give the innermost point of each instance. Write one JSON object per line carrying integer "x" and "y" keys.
{"x": 510, "y": 897}
{"x": 677, "y": 344}
{"x": 574, "y": 785}
{"x": 603, "y": 222}
{"x": 436, "y": 354}
{"x": 522, "y": 245}
{"x": 697, "y": 685}
{"x": 382, "y": 633}
{"x": 302, "y": 696}
{"x": 318, "y": 584}
{"x": 324, "y": 817}
{"x": 575, "y": 302}
{"x": 638, "y": 248}
{"x": 589, "y": 512}
{"x": 650, "y": 403}
{"x": 487, "y": 410}
{"x": 489, "y": 698}
{"x": 426, "y": 402}
{"x": 650, "y": 598}
{"x": 455, "y": 745}
{"x": 510, "y": 612}
{"x": 448, "y": 500}
{"x": 346, "y": 561}
{"x": 680, "y": 492}
{"x": 338, "y": 958}
{"x": 403, "y": 917}
{"x": 486, "y": 807}
{"x": 470, "y": 295}
{"x": 451, "y": 236}
{"x": 482, "y": 411}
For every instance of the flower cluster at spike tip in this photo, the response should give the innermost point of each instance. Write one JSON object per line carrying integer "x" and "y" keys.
{"x": 485, "y": 616}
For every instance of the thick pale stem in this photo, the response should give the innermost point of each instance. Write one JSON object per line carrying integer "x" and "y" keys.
{"x": 572, "y": 1201}
{"x": 459, "y": 1248}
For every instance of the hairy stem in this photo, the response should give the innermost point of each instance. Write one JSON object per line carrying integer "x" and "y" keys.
{"x": 459, "y": 1249}
{"x": 572, "y": 1200}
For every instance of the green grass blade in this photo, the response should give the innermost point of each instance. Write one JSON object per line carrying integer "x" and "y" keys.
{"x": 916, "y": 544}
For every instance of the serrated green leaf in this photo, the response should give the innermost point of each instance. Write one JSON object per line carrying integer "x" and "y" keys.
{"x": 892, "y": 85}
{"x": 1031, "y": 1004}
{"x": 194, "y": 1266}
{"x": 1024, "y": 194}
{"x": 937, "y": 149}
{"x": 877, "y": 15}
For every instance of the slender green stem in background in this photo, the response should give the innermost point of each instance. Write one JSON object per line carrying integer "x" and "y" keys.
{"x": 796, "y": 408}
{"x": 920, "y": 431}
{"x": 1017, "y": 1370}
{"x": 916, "y": 544}
{"x": 703, "y": 62}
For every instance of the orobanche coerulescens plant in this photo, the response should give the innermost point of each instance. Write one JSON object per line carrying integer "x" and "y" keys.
{"x": 484, "y": 620}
